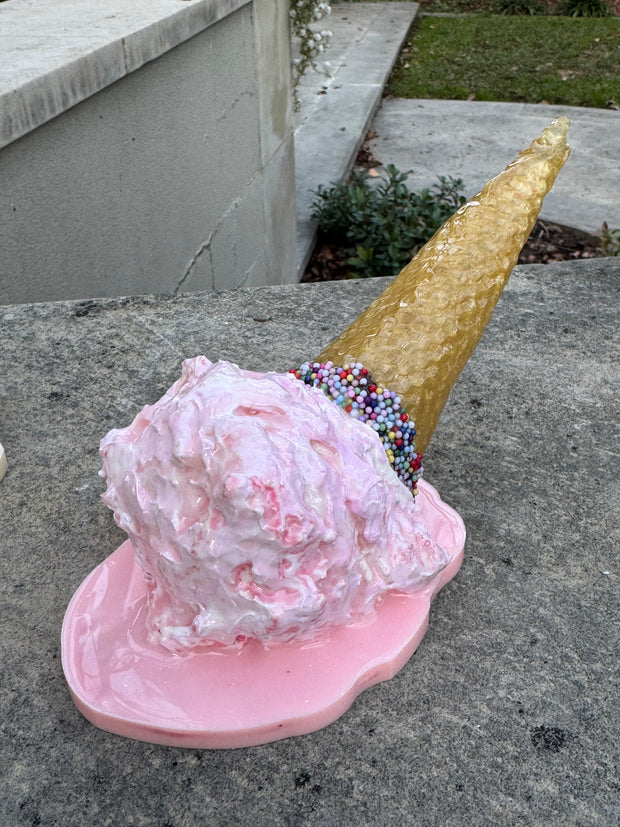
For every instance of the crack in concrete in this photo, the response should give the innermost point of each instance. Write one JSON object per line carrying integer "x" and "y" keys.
{"x": 159, "y": 335}
{"x": 245, "y": 279}
{"x": 204, "y": 247}
{"x": 251, "y": 93}
{"x": 235, "y": 204}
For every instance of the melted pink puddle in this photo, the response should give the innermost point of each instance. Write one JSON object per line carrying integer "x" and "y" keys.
{"x": 234, "y": 698}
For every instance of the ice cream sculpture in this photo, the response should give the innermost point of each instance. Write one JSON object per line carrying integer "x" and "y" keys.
{"x": 276, "y": 565}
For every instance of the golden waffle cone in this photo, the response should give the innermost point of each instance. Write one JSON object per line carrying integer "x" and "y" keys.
{"x": 416, "y": 337}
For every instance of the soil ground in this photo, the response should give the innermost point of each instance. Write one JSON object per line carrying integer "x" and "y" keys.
{"x": 547, "y": 243}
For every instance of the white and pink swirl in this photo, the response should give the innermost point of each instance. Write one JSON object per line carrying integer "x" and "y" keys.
{"x": 258, "y": 509}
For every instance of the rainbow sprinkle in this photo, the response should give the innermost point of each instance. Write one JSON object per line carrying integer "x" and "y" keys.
{"x": 354, "y": 390}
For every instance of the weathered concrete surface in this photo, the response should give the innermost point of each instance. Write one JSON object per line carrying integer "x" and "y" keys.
{"x": 506, "y": 714}
{"x": 474, "y": 140}
{"x": 178, "y": 176}
{"x": 56, "y": 56}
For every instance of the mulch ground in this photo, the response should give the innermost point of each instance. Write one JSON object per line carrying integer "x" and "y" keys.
{"x": 547, "y": 243}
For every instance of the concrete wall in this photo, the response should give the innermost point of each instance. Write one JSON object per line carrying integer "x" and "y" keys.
{"x": 178, "y": 175}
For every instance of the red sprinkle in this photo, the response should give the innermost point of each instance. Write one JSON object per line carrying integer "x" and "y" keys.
{"x": 404, "y": 417}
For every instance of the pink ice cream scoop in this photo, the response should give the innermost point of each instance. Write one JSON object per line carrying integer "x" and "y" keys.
{"x": 259, "y": 510}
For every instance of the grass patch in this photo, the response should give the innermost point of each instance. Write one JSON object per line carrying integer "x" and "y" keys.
{"x": 557, "y": 60}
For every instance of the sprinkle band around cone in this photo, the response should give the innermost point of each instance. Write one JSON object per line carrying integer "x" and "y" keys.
{"x": 355, "y": 391}
{"x": 418, "y": 334}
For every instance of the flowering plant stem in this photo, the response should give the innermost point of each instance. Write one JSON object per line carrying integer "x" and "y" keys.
{"x": 308, "y": 43}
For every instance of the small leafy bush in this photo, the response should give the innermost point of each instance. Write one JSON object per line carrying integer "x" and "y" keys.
{"x": 585, "y": 8}
{"x": 518, "y": 7}
{"x": 610, "y": 241}
{"x": 382, "y": 225}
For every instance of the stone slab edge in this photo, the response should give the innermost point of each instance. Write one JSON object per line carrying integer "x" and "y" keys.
{"x": 64, "y": 80}
{"x": 319, "y": 159}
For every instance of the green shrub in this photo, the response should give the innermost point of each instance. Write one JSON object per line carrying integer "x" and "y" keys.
{"x": 518, "y": 7}
{"x": 382, "y": 225}
{"x": 610, "y": 241}
{"x": 585, "y": 8}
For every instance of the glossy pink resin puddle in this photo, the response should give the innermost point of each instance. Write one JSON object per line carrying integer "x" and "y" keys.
{"x": 226, "y": 698}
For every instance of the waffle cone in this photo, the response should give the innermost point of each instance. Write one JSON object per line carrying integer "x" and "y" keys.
{"x": 416, "y": 337}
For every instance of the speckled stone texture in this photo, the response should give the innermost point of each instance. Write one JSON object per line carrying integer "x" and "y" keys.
{"x": 507, "y": 713}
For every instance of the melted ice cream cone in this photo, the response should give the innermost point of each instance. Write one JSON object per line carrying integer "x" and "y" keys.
{"x": 275, "y": 564}
{"x": 418, "y": 334}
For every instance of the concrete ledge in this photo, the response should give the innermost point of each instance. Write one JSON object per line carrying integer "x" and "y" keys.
{"x": 504, "y": 715}
{"x": 55, "y": 55}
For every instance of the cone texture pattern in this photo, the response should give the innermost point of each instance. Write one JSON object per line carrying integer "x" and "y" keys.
{"x": 418, "y": 334}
